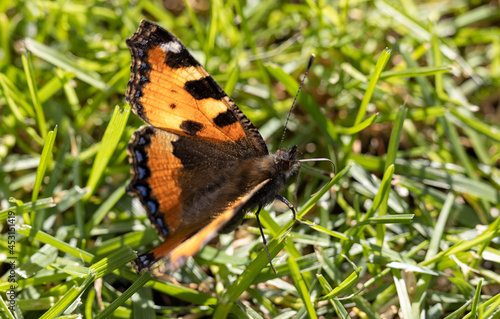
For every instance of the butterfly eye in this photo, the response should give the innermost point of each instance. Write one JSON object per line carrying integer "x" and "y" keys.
{"x": 284, "y": 165}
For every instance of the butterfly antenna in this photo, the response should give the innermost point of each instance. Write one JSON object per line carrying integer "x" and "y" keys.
{"x": 311, "y": 59}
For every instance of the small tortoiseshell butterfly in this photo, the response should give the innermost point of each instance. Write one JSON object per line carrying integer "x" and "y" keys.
{"x": 200, "y": 164}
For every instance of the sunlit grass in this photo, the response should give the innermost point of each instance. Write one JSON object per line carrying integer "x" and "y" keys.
{"x": 402, "y": 96}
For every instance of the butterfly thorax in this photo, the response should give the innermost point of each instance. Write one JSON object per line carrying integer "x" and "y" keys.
{"x": 277, "y": 168}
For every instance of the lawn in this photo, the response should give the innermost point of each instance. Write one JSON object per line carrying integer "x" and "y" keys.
{"x": 403, "y": 96}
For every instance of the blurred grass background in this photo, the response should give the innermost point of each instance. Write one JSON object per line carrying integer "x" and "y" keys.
{"x": 403, "y": 97}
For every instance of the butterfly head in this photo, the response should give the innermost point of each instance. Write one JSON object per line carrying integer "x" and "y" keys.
{"x": 286, "y": 161}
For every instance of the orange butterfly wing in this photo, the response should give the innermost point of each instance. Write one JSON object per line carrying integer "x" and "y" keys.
{"x": 187, "y": 185}
{"x": 182, "y": 164}
{"x": 156, "y": 188}
{"x": 169, "y": 89}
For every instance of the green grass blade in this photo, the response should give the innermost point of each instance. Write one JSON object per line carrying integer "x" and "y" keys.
{"x": 27, "y": 207}
{"x": 108, "y": 145}
{"x": 116, "y": 260}
{"x": 415, "y": 72}
{"x": 382, "y": 61}
{"x": 397, "y": 129}
{"x": 56, "y": 58}
{"x": 347, "y": 284}
{"x": 103, "y": 209}
{"x": 301, "y": 287}
{"x": 60, "y": 245}
{"x": 337, "y": 305}
{"x": 142, "y": 303}
{"x": 383, "y": 194}
{"x": 475, "y": 313}
{"x": 72, "y": 296}
{"x": 45, "y": 160}
{"x": 246, "y": 278}
{"x": 389, "y": 219}
{"x": 124, "y": 297}
{"x": 357, "y": 128}
{"x": 30, "y": 77}
{"x": 477, "y": 125}
{"x": 403, "y": 295}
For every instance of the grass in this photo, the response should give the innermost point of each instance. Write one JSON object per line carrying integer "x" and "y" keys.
{"x": 403, "y": 97}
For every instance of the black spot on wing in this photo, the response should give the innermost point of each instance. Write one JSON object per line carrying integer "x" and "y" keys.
{"x": 225, "y": 119}
{"x": 191, "y": 128}
{"x": 173, "y": 59}
{"x": 173, "y": 106}
{"x": 181, "y": 59}
{"x": 204, "y": 88}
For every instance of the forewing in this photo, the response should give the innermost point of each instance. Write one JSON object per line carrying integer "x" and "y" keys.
{"x": 169, "y": 89}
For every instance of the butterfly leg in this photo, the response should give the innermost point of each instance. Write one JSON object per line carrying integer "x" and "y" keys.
{"x": 287, "y": 203}
{"x": 297, "y": 183}
{"x": 264, "y": 238}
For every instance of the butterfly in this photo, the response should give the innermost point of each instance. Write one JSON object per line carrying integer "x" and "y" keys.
{"x": 199, "y": 165}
